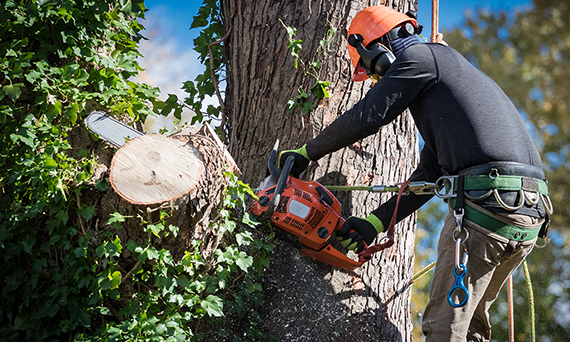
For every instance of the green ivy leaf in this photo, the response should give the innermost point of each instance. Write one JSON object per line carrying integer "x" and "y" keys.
{"x": 252, "y": 287}
{"x": 116, "y": 219}
{"x": 307, "y": 107}
{"x": 244, "y": 238}
{"x": 155, "y": 229}
{"x": 291, "y": 31}
{"x": 303, "y": 95}
{"x": 25, "y": 135}
{"x": 323, "y": 45}
{"x": 50, "y": 163}
{"x": 213, "y": 306}
{"x": 250, "y": 220}
{"x": 292, "y": 104}
{"x": 152, "y": 253}
{"x": 319, "y": 90}
{"x": 115, "y": 279}
{"x": 87, "y": 212}
{"x": 13, "y": 91}
{"x": 295, "y": 46}
{"x": 174, "y": 229}
{"x": 244, "y": 261}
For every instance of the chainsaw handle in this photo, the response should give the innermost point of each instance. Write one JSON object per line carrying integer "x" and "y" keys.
{"x": 281, "y": 183}
{"x": 274, "y": 170}
{"x": 324, "y": 195}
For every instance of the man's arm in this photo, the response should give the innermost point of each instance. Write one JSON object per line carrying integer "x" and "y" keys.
{"x": 428, "y": 170}
{"x": 411, "y": 75}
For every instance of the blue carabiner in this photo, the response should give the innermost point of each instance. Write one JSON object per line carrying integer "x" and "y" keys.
{"x": 459, "y": 285}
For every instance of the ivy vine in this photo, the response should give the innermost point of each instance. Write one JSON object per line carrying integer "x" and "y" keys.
{"x": 311, "y": 67}
{"x": 59, "y": 59}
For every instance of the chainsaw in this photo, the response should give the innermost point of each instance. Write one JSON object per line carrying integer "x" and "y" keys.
{"x": 304, "y": 213}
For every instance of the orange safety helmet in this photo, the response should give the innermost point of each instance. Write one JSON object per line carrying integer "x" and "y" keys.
{"x": 372, "y": 23}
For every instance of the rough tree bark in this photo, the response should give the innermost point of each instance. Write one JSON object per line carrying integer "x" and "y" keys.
{"x": 307, "y": 300}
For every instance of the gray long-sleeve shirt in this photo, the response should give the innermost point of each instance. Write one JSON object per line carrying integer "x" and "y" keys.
{"x": 463, "y": 116}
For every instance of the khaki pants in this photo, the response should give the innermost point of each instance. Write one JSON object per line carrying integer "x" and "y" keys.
{"x": 490, "y": 263}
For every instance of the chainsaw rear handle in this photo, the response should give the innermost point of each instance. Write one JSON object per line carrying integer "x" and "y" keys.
{"x": 324, "y": 195}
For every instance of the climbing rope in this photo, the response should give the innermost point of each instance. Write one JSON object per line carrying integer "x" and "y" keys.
{"x": 422, "y": 272}
{"x": 530, "y": 301}
{"x": 434, "y": 20}
{"x": 436, "y": 37}
{"x": 511, "y": 309}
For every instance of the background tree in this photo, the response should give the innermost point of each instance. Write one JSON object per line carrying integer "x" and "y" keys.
{"x": 527, "y": 53}
{"x": 285, "y": 82}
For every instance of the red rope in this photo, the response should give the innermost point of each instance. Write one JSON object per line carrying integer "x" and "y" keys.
{"x": 366, "y": 254}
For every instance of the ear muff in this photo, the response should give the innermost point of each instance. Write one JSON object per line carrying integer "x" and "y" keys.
{"x": 375, "y": 58}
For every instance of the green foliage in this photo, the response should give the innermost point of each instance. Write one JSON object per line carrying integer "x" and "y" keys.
{"x": 62, "y": 277}
{"x": 310, "y": 68}
{"x": 209, "y": 19}
{"x": 57, "y": 59}
{"x": 178, "y": 293}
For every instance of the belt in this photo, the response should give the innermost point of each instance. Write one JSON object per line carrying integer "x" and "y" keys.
{"x": 508, "y": 176}
{"x": 490, "y": 178}
{"x": 504, "y": 168}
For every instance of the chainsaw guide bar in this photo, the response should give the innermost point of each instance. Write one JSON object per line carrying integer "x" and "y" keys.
{"x": 109, "y": 129}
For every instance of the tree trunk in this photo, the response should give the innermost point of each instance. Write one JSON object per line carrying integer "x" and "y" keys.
{"x": 307, "y": 300}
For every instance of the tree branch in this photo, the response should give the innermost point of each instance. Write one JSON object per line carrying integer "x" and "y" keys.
{"x": 213, "y": 75}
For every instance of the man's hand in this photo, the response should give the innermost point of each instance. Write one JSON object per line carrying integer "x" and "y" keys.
{"x": 301, "y": 160}
{"x": 356, "y": 230}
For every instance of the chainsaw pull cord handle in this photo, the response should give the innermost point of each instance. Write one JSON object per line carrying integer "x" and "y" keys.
{"x": 366, "y": 254}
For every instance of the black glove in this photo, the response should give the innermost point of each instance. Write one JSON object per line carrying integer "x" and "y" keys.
{"x": 356, "y": 230}
{"x": 301, "y": 160}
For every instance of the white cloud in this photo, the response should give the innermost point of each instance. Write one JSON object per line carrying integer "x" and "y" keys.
{"x": 169, "y": 60}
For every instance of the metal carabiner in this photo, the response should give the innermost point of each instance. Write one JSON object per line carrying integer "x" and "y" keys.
{"x": 505, "y": 205}
{"x": 458, "y": 286}
{"x": 547, "y": 204}
{"x": 459, "y": 226}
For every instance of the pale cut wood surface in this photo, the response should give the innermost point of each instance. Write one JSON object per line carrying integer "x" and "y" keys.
{"x": 154, "y": 169}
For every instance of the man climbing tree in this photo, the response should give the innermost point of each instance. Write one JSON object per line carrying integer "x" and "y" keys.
{"x": 474, "y": 138}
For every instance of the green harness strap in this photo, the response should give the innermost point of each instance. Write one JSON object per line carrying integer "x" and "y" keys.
{"x": 508, "y": 183}
{"x": 499, "y": 227}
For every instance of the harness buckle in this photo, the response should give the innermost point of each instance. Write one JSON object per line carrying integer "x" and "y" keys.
{"x": 447, "y": 184}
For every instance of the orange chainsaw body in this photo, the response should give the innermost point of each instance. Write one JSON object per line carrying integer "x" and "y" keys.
{"x": 311, "y": 214}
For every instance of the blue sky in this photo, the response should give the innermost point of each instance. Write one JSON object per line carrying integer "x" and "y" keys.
{"x": 169, "y": 59}
{"x": 178, "y": 14}
{"x": 168, "y": 29}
